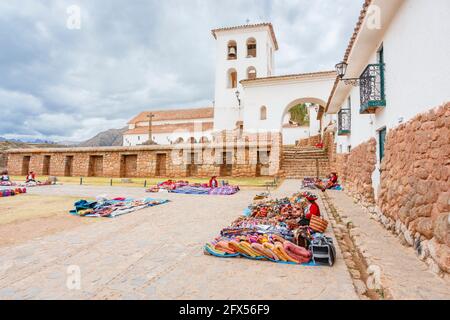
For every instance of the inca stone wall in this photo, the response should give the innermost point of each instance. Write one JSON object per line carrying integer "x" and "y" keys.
{"x": 356, "y": 170}
{"x": 243, "y": 155}
{"x": 415, "y": 185}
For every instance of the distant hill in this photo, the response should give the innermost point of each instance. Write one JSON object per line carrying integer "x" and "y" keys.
{"x": 15, "y": 144}
{"x": 111, "y": 137}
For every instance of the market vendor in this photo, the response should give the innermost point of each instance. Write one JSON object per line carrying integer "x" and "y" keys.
{"x": 31, "y": 177}
{"x": 213, "y": 182}
{"x": 5, "y": 177}
{"x": 332, "y": 181}
{"x": 311, "y": 210}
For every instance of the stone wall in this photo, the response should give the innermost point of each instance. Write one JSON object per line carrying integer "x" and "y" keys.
{"x": 309, "y": 142}
{"x": 415, "y": 185}
{"x": 243, "y": 156}
{"x": 356, "y": 170}
{"x": 3, "y": 161}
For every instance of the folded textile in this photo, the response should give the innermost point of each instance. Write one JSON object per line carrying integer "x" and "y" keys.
{"x": 224, "y": 190}
{"x": 191, "y": 190}
{"x": 112, "y": 208}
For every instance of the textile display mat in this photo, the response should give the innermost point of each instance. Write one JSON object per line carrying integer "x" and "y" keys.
{"x": 111, "y": 208}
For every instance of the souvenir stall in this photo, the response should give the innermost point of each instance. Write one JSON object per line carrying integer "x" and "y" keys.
{"x": 272, "y": 230}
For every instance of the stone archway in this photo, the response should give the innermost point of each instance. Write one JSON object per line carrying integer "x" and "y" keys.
{"x": 292, "y": 131}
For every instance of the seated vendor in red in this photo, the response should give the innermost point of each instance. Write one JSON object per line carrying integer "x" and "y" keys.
{"x": 332, "y": 181}
{"x": 31, "y": 177}
{"x": 312, "y": 209}
{"x": 213, "y": 182}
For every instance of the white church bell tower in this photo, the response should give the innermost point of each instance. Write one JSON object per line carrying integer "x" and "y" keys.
{"x": 243, "y": 52}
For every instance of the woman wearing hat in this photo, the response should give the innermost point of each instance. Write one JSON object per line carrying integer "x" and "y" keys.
{"x": 311, "y": 210}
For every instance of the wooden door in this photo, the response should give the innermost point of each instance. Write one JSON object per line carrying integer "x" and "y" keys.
{"x": 161, "y": 160}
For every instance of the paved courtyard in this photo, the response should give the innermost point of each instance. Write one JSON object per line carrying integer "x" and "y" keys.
{"x": 157, "y": 253}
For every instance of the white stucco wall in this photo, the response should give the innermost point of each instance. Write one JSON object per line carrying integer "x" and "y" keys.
{"x": 162, "y": 138}
{"x": 278, "y": 97}
{"x": 417, "y": 71}
{"x": 226, "y": 107}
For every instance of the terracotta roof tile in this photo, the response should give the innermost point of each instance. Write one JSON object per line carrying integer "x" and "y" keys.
{"x": 249, "y": 26}
{"x": 178, "y": 114}
{"x": 169, "y": 128}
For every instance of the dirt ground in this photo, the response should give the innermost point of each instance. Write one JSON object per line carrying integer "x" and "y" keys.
{"x": 27, "y": 216}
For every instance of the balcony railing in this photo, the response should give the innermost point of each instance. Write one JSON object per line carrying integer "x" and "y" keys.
{"x": 372, "y": 88}
{"x": 344, "y": 122}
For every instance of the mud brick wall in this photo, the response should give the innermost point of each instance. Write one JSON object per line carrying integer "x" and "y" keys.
{"x": 415, "y": 185}
{"x": 359, "y": 166}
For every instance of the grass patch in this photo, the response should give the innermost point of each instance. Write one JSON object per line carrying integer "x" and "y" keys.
{"x": 28, "y": 206}
{"x": 139, "y": 182}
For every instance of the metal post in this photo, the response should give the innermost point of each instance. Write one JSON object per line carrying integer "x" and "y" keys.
{"x": 145, "y": 184}
{"x": 110, "y": 182}
{"x": 81, "y": 181}
{"x": 150, "y": 117}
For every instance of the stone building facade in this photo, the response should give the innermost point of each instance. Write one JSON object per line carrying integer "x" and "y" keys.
{"x": 247, "y": 156}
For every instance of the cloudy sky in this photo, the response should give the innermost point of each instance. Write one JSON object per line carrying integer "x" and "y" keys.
{"x": 129, "y": 56}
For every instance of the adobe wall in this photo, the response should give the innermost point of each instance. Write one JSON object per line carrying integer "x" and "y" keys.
{"x": 243, "y": 154}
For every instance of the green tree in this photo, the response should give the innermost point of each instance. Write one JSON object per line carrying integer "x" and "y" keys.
{"x": 299, "y": 114}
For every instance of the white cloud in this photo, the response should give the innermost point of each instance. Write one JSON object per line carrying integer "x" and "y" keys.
{"x": 141, "y": 55}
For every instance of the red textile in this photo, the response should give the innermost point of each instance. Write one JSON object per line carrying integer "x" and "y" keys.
{"x": 313, "y": 210}
{"x": 213, "y": 183}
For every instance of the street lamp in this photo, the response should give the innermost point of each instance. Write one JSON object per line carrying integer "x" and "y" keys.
{"x": 237, "y": 97}
{"x": 341, "y": 70}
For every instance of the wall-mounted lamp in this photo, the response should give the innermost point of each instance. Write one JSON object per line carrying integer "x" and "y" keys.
{"x": 237, "y": 97}
{"x": 341, "y": 70}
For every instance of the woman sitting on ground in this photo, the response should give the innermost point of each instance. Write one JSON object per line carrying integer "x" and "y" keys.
{"x": 311, "y": 210}
{"x": 332, "y": 181}
{"x": 31, "y": 177}
{"x": 213, "y": 182}
{"x": 5, "y": 177}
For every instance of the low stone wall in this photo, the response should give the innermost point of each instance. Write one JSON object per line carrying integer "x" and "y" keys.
{"x": 357, "y": 171}
{"x": 340, "y": 167}
{"x": 415, "y": 185}
{"x": 203, "y": 160}
{"x": 309, "y": 142}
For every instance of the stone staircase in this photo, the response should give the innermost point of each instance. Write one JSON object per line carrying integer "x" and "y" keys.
{"x": 299, "y": 162}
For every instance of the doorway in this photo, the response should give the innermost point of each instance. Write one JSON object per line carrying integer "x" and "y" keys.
{"x": 192, "y": 167}
{"x": 95, "y": 166}
{"x": 161, "y": 160}
{"x": 381, "y": 142}
{"x": 128, "y": 166}
{"x": 26, "y": 165}
{"x": 226, "y": 168}
{"x": 46, "y": 166}
{"x": 68, "y": 166}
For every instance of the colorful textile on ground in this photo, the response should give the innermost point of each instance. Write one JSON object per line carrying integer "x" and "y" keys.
{"x": 112, "y": 208}
{"x": 12, "y": 192}
{"x": 269, "y": 231}
{"x": 225, "y": 190}
{"x": 183, "y": 187}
